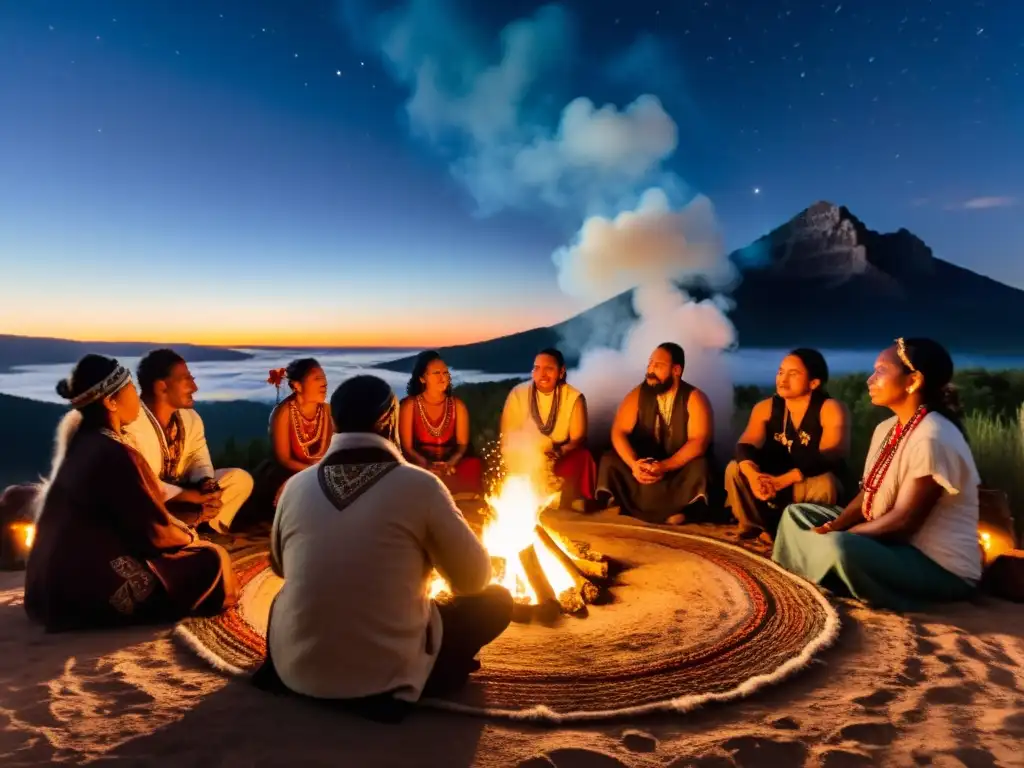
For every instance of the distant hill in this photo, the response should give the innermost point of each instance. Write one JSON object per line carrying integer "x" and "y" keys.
{"x": 27, "y": 428}
{"x": 32, "y": 350}
{"x": 822, "y": 279}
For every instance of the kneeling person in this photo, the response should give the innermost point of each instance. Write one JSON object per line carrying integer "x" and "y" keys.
{"x": 661, "y": 434}
{"x": 793, "y": 449}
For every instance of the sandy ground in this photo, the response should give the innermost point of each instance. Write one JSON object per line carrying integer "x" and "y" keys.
{"x": 933, "y": 689}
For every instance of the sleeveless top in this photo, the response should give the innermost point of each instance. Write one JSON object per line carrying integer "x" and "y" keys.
{"x": 786, "y": 447}
{"x": 435, "y": 440}
{"x": 308, "y": 438}
{"x": 651, "y": 436}
{"x": 521, "y": 413}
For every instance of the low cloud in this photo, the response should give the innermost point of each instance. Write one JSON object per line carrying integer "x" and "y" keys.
{"x": 983, "y": 203}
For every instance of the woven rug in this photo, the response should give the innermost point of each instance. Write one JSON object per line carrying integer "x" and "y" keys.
{"x": 692, "y": 621}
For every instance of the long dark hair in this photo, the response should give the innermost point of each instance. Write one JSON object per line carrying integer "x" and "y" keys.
{"x": 933, "y": 362}
{"x": 419, "y": 368}
{"x": 87, "y": 373}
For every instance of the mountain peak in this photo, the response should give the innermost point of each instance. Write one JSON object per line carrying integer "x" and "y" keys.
{"x": 826, "y": 240}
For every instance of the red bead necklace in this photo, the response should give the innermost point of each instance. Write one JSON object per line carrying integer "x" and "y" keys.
{"x": 884, "y": 458}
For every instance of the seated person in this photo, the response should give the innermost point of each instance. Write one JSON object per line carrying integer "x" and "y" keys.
{"x": 910, "y": 537}
{"x": 544, "y": 428}
{"x": 171, "y": 437}
{"x": 434, "y": 427}
{"x": 355, "y": 539}
{"x": 300, "y": 431}
{"x": 658, "y": 470}
{"x": 793, "y": 449}
{"x": 106, "y": 550}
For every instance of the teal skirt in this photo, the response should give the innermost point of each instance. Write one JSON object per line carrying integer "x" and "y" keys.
{"x": 895, "y": 576}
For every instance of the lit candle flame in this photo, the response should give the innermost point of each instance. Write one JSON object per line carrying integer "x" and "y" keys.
{"x": 26, "y": 532}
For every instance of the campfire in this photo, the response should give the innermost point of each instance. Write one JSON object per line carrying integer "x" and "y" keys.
{"x": 546, "y": 573}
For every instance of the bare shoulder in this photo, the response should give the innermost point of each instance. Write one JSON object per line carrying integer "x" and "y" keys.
{"x": 632, "y": 398}
{"x": 280, "y": 413}
{"x": 698, "y": 399}
{"x": 834, "y": 411}
{"x": 762, "y": 410}
{"x": 406, "y": 403}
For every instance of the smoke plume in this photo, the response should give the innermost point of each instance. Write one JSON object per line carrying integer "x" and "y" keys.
{"x": 489, "y": 113}
{"x": 650, "y": 249}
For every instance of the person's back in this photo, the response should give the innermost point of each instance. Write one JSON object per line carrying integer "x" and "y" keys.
{"x": 355, "y": 539}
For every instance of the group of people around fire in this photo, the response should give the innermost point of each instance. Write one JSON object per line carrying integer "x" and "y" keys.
{"x": 362, "y": 492}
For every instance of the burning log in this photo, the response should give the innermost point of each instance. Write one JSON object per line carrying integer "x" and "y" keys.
{"x": 548, "y": 605}
{"x": 591, "y": 569}
{"x": 584, "y": 591}
{"x": 588, "y": 562}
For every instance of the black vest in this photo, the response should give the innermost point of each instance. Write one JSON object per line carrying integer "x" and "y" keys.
{"x": 804, "y": 444}
{"x": 646, "y": 438}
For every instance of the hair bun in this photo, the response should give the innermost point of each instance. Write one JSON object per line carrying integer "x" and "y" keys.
{"x": 64, "y": 389}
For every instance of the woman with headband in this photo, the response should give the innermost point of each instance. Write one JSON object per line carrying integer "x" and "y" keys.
{"x": 910, "y": 537}
{"x": 106, "y": 550}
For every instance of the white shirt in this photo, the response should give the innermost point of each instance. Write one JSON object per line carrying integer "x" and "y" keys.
{"x": 936, "y": 449}
{"x": 353, "y": 618}
{"x": 147, "y": 437}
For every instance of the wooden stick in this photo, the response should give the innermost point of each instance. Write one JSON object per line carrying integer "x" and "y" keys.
{"x": 548, "y": 606}
{"x": 498, "y": 566}
{"x": 583, "y": 590}
{"x": 591, "y": 565}
{"x": 590, "y": 569}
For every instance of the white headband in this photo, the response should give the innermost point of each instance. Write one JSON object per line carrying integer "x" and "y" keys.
{"x": 109, "y": 386}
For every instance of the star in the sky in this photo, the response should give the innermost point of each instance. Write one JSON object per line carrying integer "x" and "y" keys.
{"x": 757, "y": 190}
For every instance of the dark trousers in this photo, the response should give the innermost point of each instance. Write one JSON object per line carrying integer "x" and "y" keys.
{"x": 468, "y": 623}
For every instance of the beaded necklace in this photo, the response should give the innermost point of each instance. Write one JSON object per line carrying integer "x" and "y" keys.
{"x": 308, "y": 432}
{"x": 897, "y": 433}
{"x": 436, "y": 430}
{"x": 547, "y": 426}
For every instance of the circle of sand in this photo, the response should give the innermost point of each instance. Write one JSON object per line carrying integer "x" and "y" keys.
{"x": 692, "y": 620}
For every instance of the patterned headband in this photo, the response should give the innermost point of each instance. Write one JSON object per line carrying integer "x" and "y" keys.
{"x": 901, "y": 352}
{"x": 109, "y": 386}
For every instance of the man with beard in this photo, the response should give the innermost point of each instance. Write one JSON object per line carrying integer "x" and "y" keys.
{"x": 658, "y": 471}
{"x": 544, "y": 432}
{"x": 793, "y": 449}
{"x": 170, "y": 436}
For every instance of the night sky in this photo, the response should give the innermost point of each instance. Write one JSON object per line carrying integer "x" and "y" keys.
{"x": 392, "y": 173}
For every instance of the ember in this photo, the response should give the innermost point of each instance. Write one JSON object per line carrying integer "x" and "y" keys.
{"x": 546, "y": 573}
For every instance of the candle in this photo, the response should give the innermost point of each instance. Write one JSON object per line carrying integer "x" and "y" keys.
{"x": 15, "y": 544}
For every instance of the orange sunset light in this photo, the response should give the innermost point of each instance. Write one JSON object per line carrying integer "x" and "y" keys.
{"x": 276, "y": 331}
